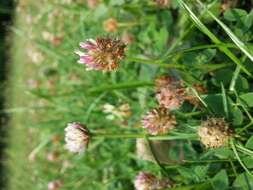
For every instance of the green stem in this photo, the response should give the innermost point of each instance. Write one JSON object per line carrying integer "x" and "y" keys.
{"x": 207, "y": 67}
{"x": 143, "y": 136}
{"x": 238, "y": 157}
{"x": 38, "y": 148}
{"x": 190, "y": 187}
{"x": 206, "y": 161}
{"x": 127, "y": 85}
{"x": 128, "y": 24}
{"x": 244, "y": 150}
{"x": 245, "y": 127}
{"x": 189, "y": 114}
{"x": 178, "y": 164}
{"x": 156, "y": 63}
{"x": 236, "y": 75}
{"x": 212, "y": 36}
{"x": 200, "y": 47}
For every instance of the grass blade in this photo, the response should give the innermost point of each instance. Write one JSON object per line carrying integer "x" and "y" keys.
{"x": 238, "y": 157}
{"x": 233, "y": 37}
{"x": 206, "y": 31}
{"x": 224, "y": 100}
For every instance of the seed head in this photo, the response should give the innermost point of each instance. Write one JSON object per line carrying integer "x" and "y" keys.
{"x": 147, "y": 181}
{"x": 159, "y": 121}
{"x": 169, "y": 93}
{"x": 214, "y": 132}
{"x": 110, "y": 25}
{"x": 76, "y": 137}
{"x": 102, "y": 54}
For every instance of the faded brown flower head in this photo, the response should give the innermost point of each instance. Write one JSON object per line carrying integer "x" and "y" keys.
{"x": 110, "y": 25}
{"x": 162, "y": 3}
{"x": 53, "y": 156}
{"x": 76, "y": 137}
{"x": 214, "y": 132}
{"x": 148, "y": 181}
{"x": 92, "y": 4}
{"x": 102, "y": 54}
{"x": 169, "y": 92}
{"x": 228, "y": 4}
{"x": 159, "y": 121}
{"x": 55, "y": 185}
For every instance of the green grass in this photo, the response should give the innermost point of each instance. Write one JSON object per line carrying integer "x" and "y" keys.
{"x": 48, "y": 89}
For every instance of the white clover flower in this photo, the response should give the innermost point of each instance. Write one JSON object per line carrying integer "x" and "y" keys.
{"x": 76, "y": 137}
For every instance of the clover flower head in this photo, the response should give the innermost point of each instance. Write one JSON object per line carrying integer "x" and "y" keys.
{"x": 54, "y": 185}
{"x": 92, "y": 4}
{"x": 162, "y": 3}
{"x": 214, "y": 132}
{"x": 102, "y": 54}
{"x": 147, "y": 181}
{"x": 159, "y": 121}
{"x": 169, "y": 93}
{"x": 76, "y": 137}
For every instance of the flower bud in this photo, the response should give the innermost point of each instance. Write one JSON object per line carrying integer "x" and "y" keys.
{"x": 110, "y": 25}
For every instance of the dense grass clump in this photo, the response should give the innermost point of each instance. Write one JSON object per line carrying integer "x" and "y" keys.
{"x": 162, "y": 97}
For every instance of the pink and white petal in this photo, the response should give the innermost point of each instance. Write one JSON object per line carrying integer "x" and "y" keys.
{"x": 85, "y": 59}
{"x": 89, "y": 45}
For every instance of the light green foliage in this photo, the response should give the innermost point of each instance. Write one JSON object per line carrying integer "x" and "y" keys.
{"x": 192, "y": 41}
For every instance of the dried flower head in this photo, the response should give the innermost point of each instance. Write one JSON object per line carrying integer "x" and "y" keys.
{"x": 159, "y": 121}
{"x": 214, "y": 132}
{"x": 76, "y": 137}
{"x": 169, "y": 93}
{"x": 162, "y": 3}
{"x": 53, "y": 156}
{"x": 92, "y": 4}
{"x": 102, "y": 54}
{"x": 55, "y": 185}
{"x": 147, "y": 181}
{"x": 228, "y": 4}
{"x": 110, "y": 25}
